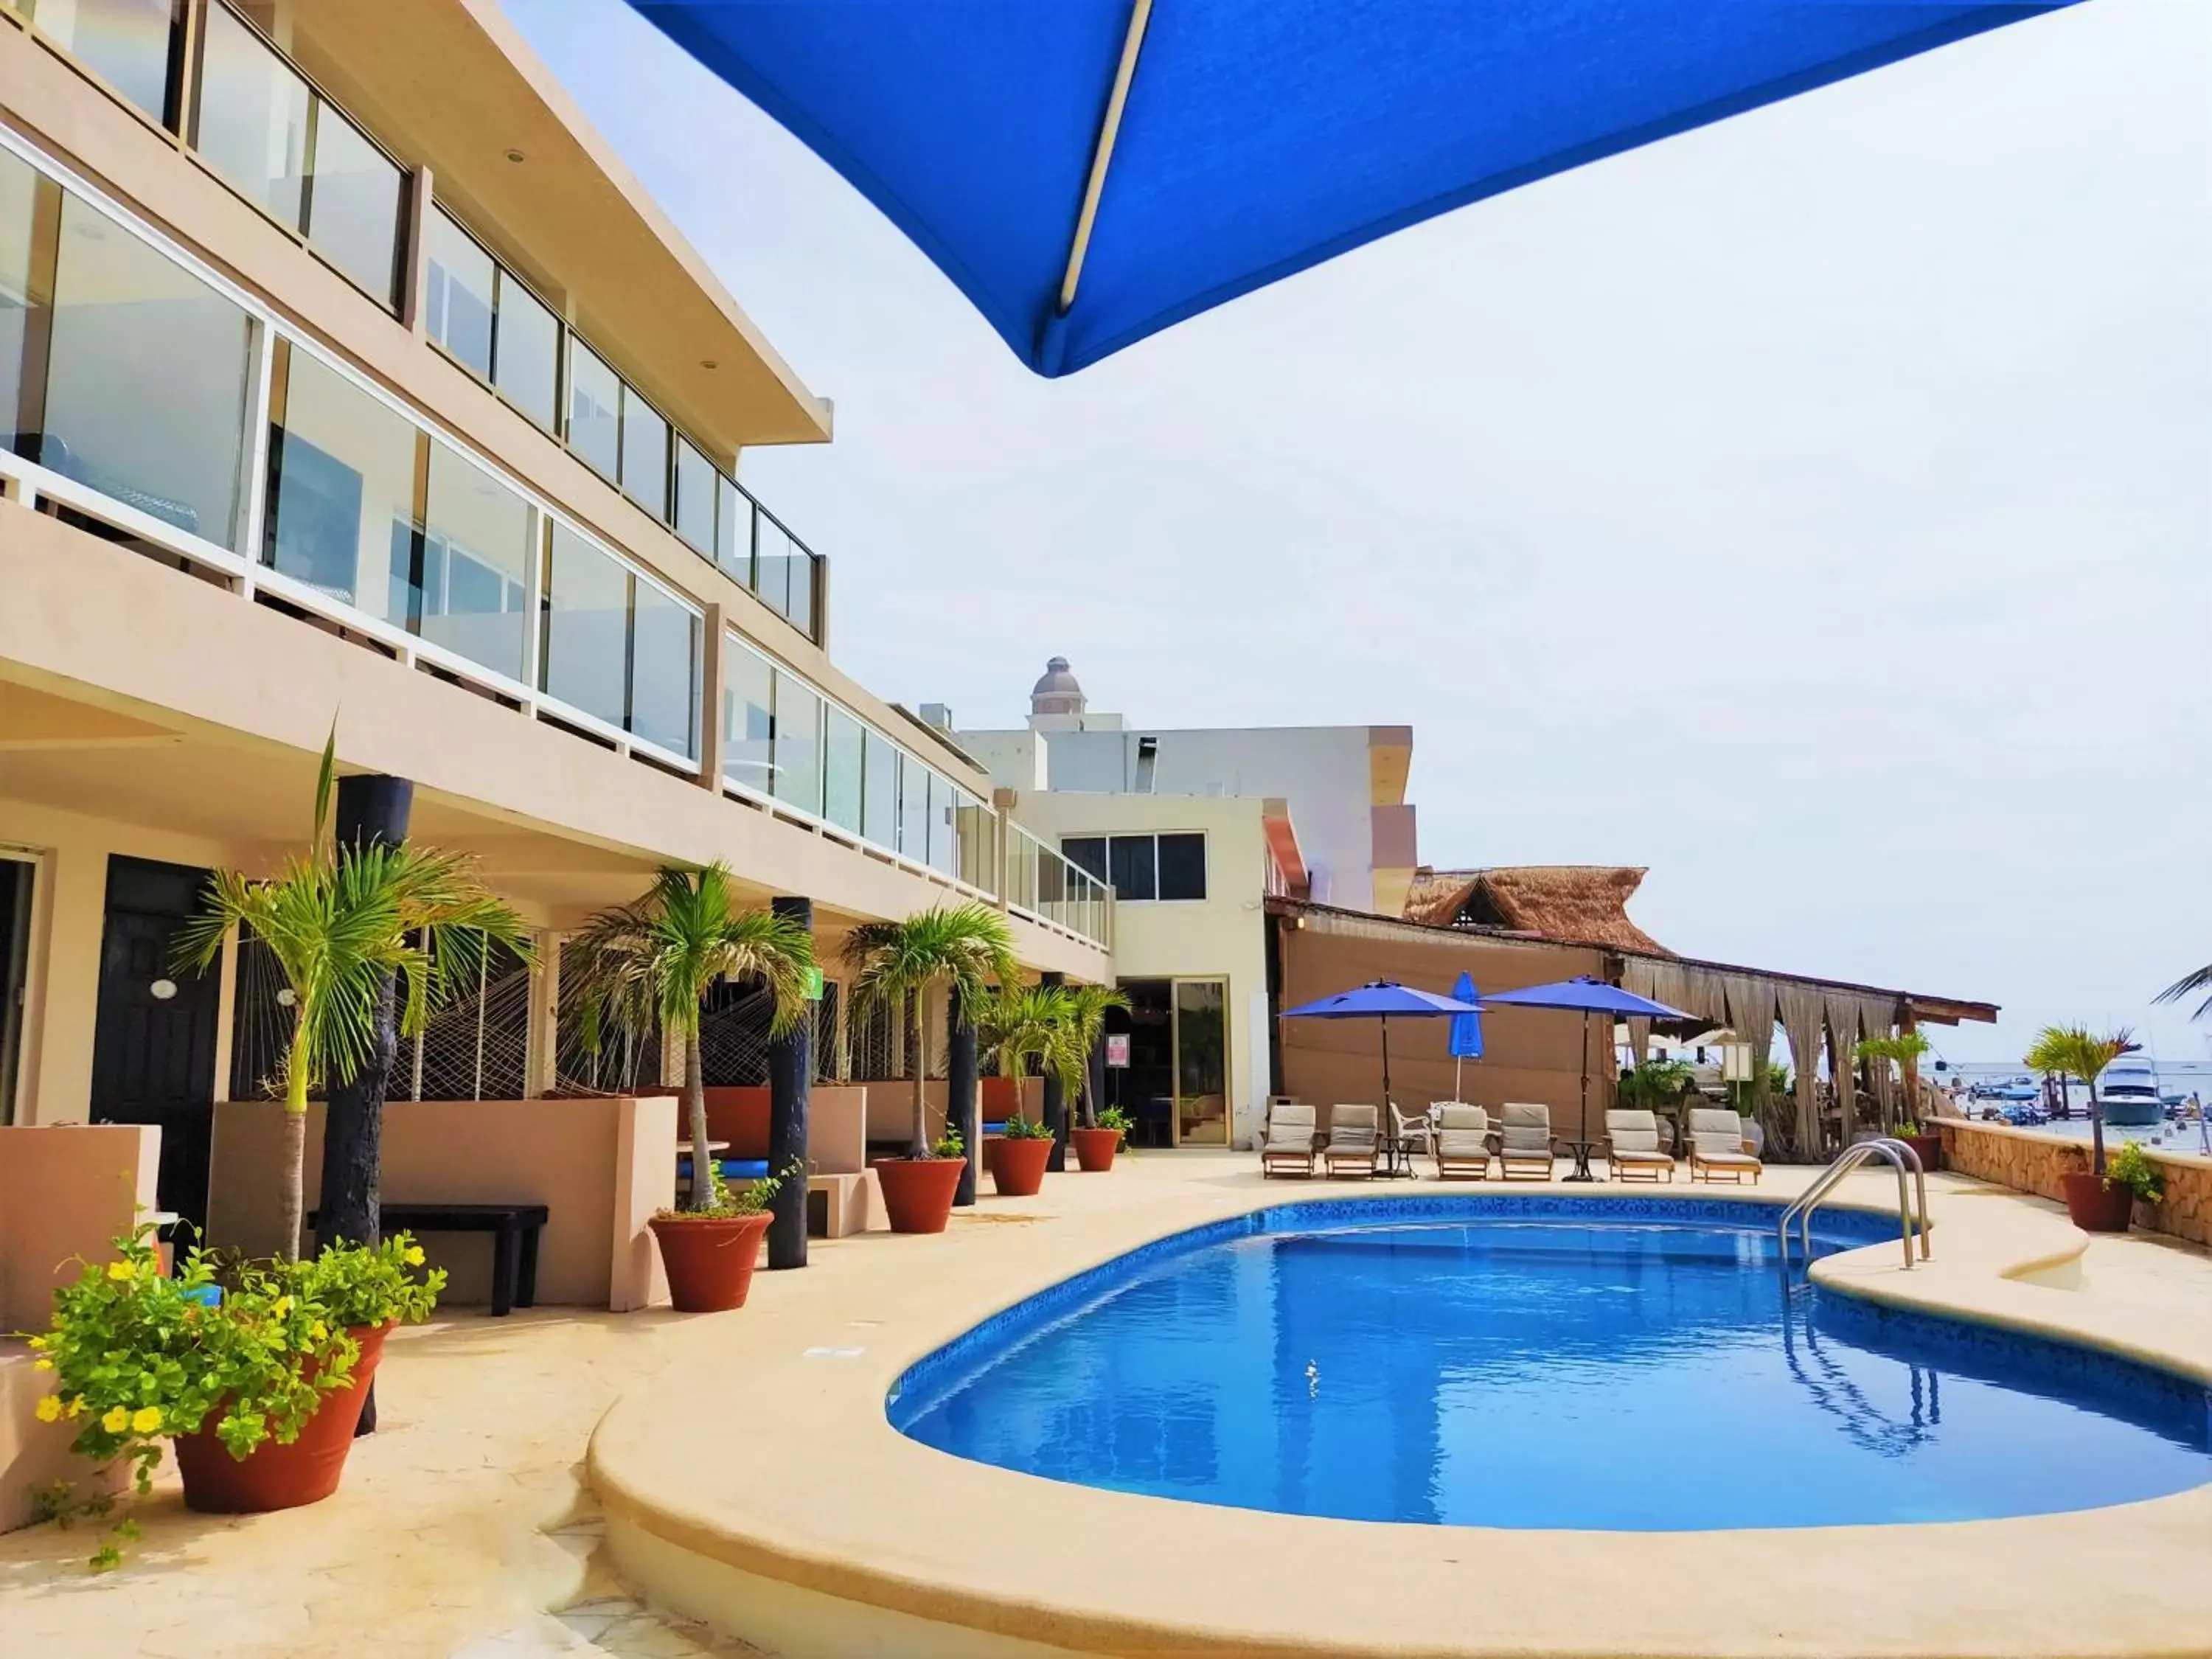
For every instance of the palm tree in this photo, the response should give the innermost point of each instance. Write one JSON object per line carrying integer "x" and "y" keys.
{"x": 965, "y": 947}
{"x": 342, "y": 922}
{"x": 651, "y": 963}
{"x": 1022, "y": 1022}
{"x": 2077, "y": 1050}
{"x": 1905, "y": 1048}
{"x": 2188, "y": 985}
{"x": 1086, "y": 1013}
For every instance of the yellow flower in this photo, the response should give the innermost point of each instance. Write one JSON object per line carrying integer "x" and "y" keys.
{"x": 75, "y": 1408}
{"x": 119, "y": 1270}
{"x": 50, "y": 1409}
{"x": 146, "y": 1419}
{"x": 117, "y": 1420}
{"x": 282, "y": 1306}
{"x": 42, "y": 1364}
{"x": 317, "y": 1331}
{"x": 414, "y": 1256}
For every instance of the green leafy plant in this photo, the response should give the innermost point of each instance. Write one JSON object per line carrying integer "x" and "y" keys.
{"x": 2131, "y": 1167}
{"x": 1903, "y": 1050}
{"x": 1116, "y": 1119}
{"x": 967, "y": 947}
{"x": 949, "y": 1143}
{"x": 341, "y": 923}
{"x": 728, "y": 1203}
{"x": 139, "y": 1357}
{"x": 1652, "y": 1085}
{"x": 648, "y": 965}
{"x": 2076, "y": 1051}
{"x": 1019, "y": 1127}
{"x": 1024, "y": 1023}
{"x": 2188, "y": 985}
{"x": 1087, "y": 1007}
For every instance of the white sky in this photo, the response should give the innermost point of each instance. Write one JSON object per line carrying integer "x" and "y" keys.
{"x": 1816, "y": 508}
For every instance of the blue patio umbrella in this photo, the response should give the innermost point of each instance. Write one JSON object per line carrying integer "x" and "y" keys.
{"x": 1381, "y": 999}
{"x": 1089, "y": 171}
{"x": 1586, "y": 996}
{"x": 1466, "y": 1041}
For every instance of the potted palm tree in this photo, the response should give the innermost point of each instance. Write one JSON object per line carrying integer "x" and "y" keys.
{"x": 1021, "y": 1024}
{"x": 651, "y": 963}
{"x": 2096, "y": 1203}
{"x": 1095, "y": 1142}
{"x": 966, "y": 947}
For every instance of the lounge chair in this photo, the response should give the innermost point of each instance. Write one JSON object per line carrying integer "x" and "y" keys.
{"x": 1462, "y": 1141}
{"x": 1287, "y": 1142}
{"x": 1632, "y": 1149}
{"x": 1524, "y": 1142}
{"x": 1717, "y": 1146}
{"x": 1353, "y": 1140}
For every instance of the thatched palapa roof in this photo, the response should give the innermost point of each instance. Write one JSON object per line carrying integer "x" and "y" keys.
{"x": 1572, "y": 903}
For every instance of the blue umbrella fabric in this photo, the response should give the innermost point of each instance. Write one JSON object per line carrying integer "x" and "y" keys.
{"x": 1089, "y": 171}
{"x": 1380, "y": 998}
{"x": 1466, "y": 1041}
{"x": 1587, "y": 997}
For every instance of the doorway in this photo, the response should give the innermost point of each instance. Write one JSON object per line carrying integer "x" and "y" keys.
{"x": 1176, "y": 1086}
{"x": 16, "y": 879}
{"x": 154, "y": 1038}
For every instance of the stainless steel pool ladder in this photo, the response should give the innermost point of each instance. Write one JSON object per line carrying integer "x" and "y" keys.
{"x": 1898, "y": 1155}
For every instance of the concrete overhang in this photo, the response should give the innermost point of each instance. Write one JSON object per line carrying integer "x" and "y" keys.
{"x": 451, "y": 85}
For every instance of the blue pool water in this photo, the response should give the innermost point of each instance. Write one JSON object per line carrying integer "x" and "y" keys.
{"x": 1510, "y": 1362}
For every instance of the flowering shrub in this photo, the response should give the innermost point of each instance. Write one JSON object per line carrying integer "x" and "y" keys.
{"x": 2131, "y": 1167}
{"x": 360, "y": 1287}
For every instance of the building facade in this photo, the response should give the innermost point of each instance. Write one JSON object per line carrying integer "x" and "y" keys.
{"x": 355, "y": 389}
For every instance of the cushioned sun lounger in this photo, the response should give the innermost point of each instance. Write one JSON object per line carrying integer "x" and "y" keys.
{"x": 1717, "y": 1147}
{"x": 1354, "y": 1138}
{"x": 1287, "y": 1143}
{"x": 1632, "y": 1147}
{"x": 1463, "y": 1143}
{"x": 1524, "y": 1142}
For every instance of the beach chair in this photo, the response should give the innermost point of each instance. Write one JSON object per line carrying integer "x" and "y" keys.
{"x": 1632, "y": 1149}
{"x": 1287, "y": 1142}
{"x": 1417, "y": 1133}
{"x": 1524, "y": 1142}
{"x": 1353, "y": 1140}
{"x": 1462, "y": 1141}
{"x": 1717, "y": 1146}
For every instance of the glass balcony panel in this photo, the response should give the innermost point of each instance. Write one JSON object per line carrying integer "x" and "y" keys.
{"x": 695, "y": 498}
{"x": 23, "y": 305}
{"x": 842, "y": 750}
{"x": 457, "y": 309}
{"x": 734, "y": 530}
{"x": 748, "y": 720}
{"x": 972, "y": 824}
{"x": 354, "y": 203}
{"x": 128, "y": 44}
{"x": 146, "y": 394}
{"x": 472, "y": 595}
{"x": 943, "y": 831}
{"x": 644, "y": 454}
{"x": 798, "y": 744}
{"x": 342, "y": 489}
{"x": 772, "y": 564}
{"x": 664, "y": 694}
{"x": 594, "y": 411}
{"x": 879, "y": 792}
{"x": 586, "y": 628}
{"x": 914, "y": 809}
{"x": 800, "y": 605}
{"x": 526, "y": 354}
{"x": 253, "y": 117}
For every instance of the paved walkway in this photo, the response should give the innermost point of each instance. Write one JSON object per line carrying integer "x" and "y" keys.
{"x": 462, "y": 1531}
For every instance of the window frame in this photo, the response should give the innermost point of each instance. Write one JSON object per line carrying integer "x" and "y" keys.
{"x": 1106, "y": 840}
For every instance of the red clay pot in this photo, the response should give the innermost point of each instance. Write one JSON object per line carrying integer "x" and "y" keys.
{"x": 1094, "y": 1148}
{"x": 1019, "y": 1172}
{"x": 1930, "y": 1149}
{"x": 274, "y": 1477}
{"x": 710, "y": 1259}
{"x": 918, "y": 1191}
{"x": 2095, "y": 1207}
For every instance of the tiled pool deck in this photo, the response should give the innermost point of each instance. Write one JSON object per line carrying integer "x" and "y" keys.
{"x": 748, "y": 1474}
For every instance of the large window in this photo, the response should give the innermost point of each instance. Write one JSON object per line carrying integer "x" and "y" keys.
{"x": 342, "y": 488}
{"x": 472, "y": 581}
{"x": 1143, "y": 867}
{"x": 289, "y": 151}
{"x": 132, "y": 44}
{"x": 145, "y": 395}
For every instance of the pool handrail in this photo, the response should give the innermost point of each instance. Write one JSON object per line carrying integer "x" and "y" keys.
{"x": 1900, "y": 1157}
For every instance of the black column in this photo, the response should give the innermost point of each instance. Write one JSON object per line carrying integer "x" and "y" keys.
{"x": 960, "y": 1091}
{"x": 1055, "y": 1100}
{"x": 369, "y": 810}
{"x": 790, "y": 1085}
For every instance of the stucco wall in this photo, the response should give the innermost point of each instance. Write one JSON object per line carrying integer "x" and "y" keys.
{"x": 2031, "y": 1163}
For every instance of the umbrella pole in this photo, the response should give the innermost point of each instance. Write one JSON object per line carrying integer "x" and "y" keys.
{"x": 1386, "y": 1068}
{"x": 1458, "y": 1060}
{"x": 1585, "y": 1111}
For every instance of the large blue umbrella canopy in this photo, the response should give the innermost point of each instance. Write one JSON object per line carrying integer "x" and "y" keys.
{"x": 1089, "y": 172}
{"x": 1585, "y": 996}
{"x": 1380, "y": 998}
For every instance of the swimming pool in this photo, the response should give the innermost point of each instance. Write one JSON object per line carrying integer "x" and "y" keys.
{"x": 1529, "y": 1362}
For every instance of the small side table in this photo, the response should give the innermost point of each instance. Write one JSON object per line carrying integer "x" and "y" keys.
{"x": 1582, "y": 1151}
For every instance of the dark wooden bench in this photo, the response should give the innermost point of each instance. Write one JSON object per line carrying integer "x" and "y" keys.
{"x": 514, "y": 1229}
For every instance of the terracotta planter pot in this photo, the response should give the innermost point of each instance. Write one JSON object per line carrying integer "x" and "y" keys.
{"x": 274, "y": 1477}
{"x": 1930, "y": 1148}
{"x": 1094, "y": 1148}
{"x": 918, "y": 1191}
{"x": 1019, "y": 1170}
{"x": 2096, "y": 1208}
{"x": 710, "y": 1259}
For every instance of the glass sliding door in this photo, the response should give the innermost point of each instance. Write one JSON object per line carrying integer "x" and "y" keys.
{"x": 1201, "y": 1043}
{"x": 1176, "y": 1084}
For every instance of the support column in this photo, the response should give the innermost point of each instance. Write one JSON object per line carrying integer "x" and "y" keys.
{"x": 960, "y": 1092}
{"x": 541, "y": 1052}
{"x": 1055, "y": 1097}
{"x": 790, "y": 1084}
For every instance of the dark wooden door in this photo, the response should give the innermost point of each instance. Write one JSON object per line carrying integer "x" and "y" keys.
{"x": 153, "y": 1053}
